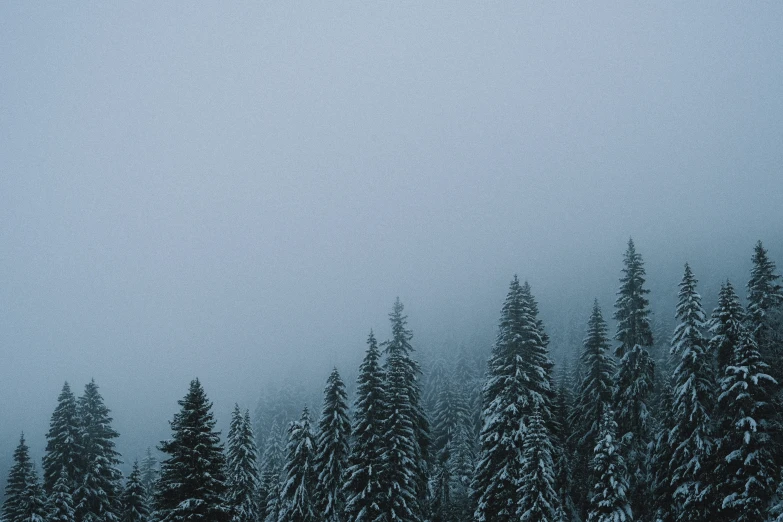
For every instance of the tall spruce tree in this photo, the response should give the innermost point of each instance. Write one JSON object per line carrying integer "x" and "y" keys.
{"x": 635, "y": 375}
{"x": 538, "y": 500}
{"x": 297, "y": 496}
{"x": 272, "y": 463}
{"x": 518, "y": 381}
{"x": 192, "y": 480}
{"x": 594, "y": 398}
{"x": 60, "y": 502}
{"x": 242, "y": 479}
{"x": 363, "y": 485}
{"x": 405, "y": 413}
{"x": 134, "y": 502}
{"x": 63, "y": 442}
{"x": 331, "y": 460}
{"x": 691, "y": 438}
{"x": 97, "y": 494}
{"x": 609, "y": 500}
{"x": 16, "y": 487}
{"x": 745, "y": 463}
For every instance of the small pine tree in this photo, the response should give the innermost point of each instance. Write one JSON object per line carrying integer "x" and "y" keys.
{"x": 764, "y": 295}
{"x": 60, "y": 503}
{"x": 134, "y": 506}
{"x": 609, "y": 501}
{"x": 745, "y": 464}
{"x": 272, "y": 463}
{"x": 98, "y": 487}
{"x": 33, "y": 505}
{"x": 296, "y": 498}
{"x": 691, "y": 439}
{"x": 726, "y": 327}
{"x": 538, "y": 501}
{"x": 331, "y": 461}
{"x": 192, "y": 480}
{"x": 150, "y": 471}
{"x": 364, "y": 495}
{"x": 63, "y": 442}
{"x": 16, "y": 487}
{"x": 242, "y": 469}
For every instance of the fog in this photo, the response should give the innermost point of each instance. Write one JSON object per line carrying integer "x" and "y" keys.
{"x": 239, "y": 192}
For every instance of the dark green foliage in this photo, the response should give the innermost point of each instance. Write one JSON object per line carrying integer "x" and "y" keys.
{"x": 63, "y": 442}
{"x": 97, "y": 494}
{"x": 538, "y": 501}
{"x": 33, "y": 504}
{"x": 60, "y": 503}
{"x": 134, "y": 505}
{"x": 297, "y": 502}
{"x": 16, "y": 488}
{"x": 609, "y": 499}
{"x": 192, "y": 480}
{"x": 242, "y": 469}
{"x": 363, "y": 487}
{"x": 331, "y": 461}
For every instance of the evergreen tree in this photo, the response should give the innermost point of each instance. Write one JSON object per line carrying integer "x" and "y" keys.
{"x": 242, "y": 469}
{"x": 538, "y": 501}
{"x": 726, "y": 326}
{"x": 33, "y": 505}
{"x": 765, "y": 294}
{"x": 296, "y": 498}
{"x": 691, "y": 439}
{"x": 331, "y": 461}
{"x": 364, "y": 496}
{"x": 150, "y": 471}
{"x": 662, "y": 490}
{"x": 17, "y": 485}
{"x": 269, "y": 494}
{"x": 406, "y": 420}
{"x": 63, "y": 442}
{"x": 60, "y": 504}
{"x": 134, "y": 505}
{"x": 593, "y": 400}
{"x": 745, "y": 464}
{"x": 98, "y": 486}
{"x": 635, "y": 374}
{"x": 518, "y": 381}
{"x": 609, "y": 501}
{"x": 192, "y": 481}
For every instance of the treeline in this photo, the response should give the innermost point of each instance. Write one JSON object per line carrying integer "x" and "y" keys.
{"x": 626, "y": 433}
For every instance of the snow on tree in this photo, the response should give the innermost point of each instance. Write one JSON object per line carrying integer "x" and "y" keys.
{"x": 98, "y": 486}
{"x": 745, "y": 464}
{"x": 727, "y": 326}
{"x": 150, "y": 471}
{"x": 691, "y": 438}
{"x": 364, "y": 496}
{"x": 594, "y": 398}
{"x": 331, "y": 460}
{"x": 609, "y": 501}
{"x": 764, "y": 295}
{"x": 635, "y": 374}
{"x": 242, "y": 479}
{"x": 63, "y": 442}
{"x": 297, "y": 502}
{"x": 405, "y": 413}
{"x": 60, "y": 503}
{"x": 33, "y": 504}
{"x": 538, "y": 500}
{"x": 662, "y": 490}
{"x": 16, "y": 487}
{"x": 192, "y": 480}
{"x": 272, "y": 464}
{"x": 517, "y": 381}
{"x": 133, "y": 500}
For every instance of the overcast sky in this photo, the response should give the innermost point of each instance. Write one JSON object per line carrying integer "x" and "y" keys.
{"x": 239, "y": 191}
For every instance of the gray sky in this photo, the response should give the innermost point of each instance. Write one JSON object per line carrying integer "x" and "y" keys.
{"x": 235, "y": 191}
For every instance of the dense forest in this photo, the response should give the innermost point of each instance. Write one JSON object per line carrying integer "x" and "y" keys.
{"x": 645, "y": 425}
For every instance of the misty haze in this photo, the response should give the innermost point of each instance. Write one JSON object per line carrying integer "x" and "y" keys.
{"x": 391, "y": 261}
